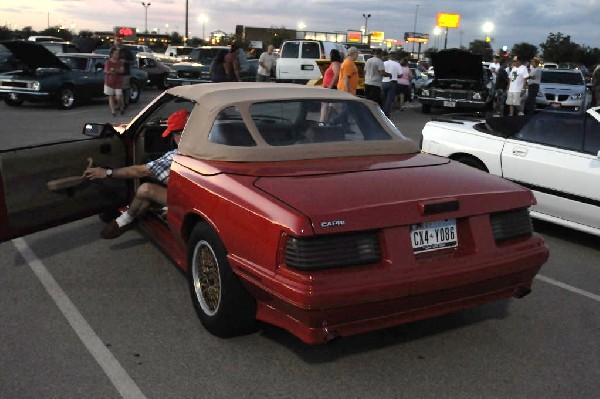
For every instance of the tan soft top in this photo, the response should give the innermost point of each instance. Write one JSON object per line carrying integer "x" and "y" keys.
{"x": 211, "y": 98}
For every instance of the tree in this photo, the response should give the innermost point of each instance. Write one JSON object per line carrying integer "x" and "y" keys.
{"x": 481, "y": 47}
{"x": 524, "y": 51}
{"x": 559, "y": 48}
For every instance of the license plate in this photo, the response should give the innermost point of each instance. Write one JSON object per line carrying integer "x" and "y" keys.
{"x": 555, "y": 105}
{"x": 450, "y": 104}
{"x": 429, "y": 236}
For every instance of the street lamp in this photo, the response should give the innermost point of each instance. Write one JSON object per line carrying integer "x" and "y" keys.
{"x": 487, "y": 28}
{"x": 49, "y": 9}
{"x": 146, "y": 5}
{"x": 436, "y": 32}
{"x": 415, "y": 28}
{"x": 366, "y": 17}
{"x": 203, "y": 19}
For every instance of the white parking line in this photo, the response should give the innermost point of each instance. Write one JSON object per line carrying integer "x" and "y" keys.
{"x": 111, "y": 366}
{"x": 568, "y": 287}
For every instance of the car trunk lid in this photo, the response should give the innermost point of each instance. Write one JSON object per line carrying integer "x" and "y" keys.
{"x": 410, "y": 190}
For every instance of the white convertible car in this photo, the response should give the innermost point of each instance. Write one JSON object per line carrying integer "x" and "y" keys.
{"x": 555, "y": 155}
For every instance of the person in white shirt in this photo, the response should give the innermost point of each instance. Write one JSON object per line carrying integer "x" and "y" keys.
{"x": 389, "y": 83}
{"x": 518, "y": 76}
{"x": 266, "y": 63}
{"x": 494, "y": 68}
{"x": 374, "y": 72}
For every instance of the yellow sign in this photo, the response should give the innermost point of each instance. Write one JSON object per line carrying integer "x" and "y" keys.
{"x": 377, "y": 37}
{"x": 448, "y": 20}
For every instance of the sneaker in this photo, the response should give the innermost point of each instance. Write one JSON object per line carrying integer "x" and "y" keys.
{"x": 112, "y": 230}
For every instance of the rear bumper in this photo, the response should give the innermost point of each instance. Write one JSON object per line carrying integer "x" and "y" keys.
{"x": 317, "y": 312}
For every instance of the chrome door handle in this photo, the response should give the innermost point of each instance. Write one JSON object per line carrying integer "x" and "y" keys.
{"x": 519, "y": 152}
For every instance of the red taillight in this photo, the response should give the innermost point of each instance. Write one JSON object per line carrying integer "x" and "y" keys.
{"x": 323, "y": 57}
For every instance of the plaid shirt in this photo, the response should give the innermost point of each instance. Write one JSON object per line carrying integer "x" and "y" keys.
{"x": 161, "y": 167}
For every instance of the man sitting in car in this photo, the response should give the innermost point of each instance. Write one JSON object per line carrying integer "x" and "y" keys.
{"x": 147, "y": 193}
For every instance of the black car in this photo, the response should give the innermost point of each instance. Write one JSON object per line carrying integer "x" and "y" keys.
{"x": 197, "y": 69}
{"x": 66, "y": 79}
{"x": 460, "y": 81}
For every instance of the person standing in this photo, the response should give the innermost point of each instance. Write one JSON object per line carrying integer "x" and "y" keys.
{"x": 502, "y": 82}
{"x": 113, "y": 80}
{"x": 232, "y": 64}
{"x": 126, "y": 56}
{"x": 374, "y": 72}
{"x": 533, "y": 85}
{"x": 596, "y": 85}
{"x": 518, "y": 76}
{"x": 266, "y": 63}
{"x": 217, "y": 67}
{"x": 495, "y": 69}
{"x": 389, "y": 83}
{"x": 403, "y": 86}
{"x": 348, "y": 80}
{"x": 330, "y": 79}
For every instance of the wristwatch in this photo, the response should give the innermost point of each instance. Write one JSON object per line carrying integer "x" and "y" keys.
{"x": 109, "y": 172}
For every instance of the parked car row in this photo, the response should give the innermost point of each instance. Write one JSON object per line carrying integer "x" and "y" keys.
{"x": 65, "y": 79}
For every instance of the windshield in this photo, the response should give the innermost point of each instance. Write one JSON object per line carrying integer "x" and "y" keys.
{"x": 566, "y": 78}
{"x": 204, "y": 55}
{"x": 76, "y": 63}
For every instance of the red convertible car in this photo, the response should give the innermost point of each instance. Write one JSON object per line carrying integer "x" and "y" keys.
{"x": 301, "y": 207}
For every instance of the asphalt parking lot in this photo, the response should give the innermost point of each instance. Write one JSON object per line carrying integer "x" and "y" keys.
{"x": 84, "y": 317}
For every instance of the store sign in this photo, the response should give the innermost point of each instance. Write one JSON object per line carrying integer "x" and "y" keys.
{"x": 413, "y": 37}
{"x": 448, "y": 20}
{"x": 126, "y": 32}
{"x": 354, "y": 36}
{"x": 377, "y": 37}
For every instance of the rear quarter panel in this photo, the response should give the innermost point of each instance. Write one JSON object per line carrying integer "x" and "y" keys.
{"x": 451, "y": 140}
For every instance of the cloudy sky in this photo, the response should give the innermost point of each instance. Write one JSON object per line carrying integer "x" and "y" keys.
{"x": 514, "y": 21}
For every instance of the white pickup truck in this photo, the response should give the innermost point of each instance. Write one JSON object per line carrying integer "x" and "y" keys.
{"x": 174, "y": 54}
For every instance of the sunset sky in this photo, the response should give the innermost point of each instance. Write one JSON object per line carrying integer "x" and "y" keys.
{"x": 514, "y": 22}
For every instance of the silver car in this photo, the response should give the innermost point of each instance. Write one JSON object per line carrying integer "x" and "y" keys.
{"x": 563, "y": 90}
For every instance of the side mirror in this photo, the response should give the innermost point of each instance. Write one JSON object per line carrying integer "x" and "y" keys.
{"x": 99, "y": 130}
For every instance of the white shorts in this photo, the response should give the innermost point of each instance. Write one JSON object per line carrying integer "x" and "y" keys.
{"x": 110, "y": 91}
{"x": 513, "y": 98}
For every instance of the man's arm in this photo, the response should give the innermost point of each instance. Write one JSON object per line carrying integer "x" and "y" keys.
{"x": 128, "y": 172}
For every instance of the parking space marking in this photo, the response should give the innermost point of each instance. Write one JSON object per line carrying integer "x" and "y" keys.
{"x": 568, "y": 287}
{"x": 111, "y": 366}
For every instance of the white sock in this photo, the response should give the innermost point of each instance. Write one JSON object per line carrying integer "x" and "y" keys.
{"x": 124, "y": 219}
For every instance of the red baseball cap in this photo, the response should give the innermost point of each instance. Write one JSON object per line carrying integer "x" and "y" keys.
{"x": 176, "y": 122}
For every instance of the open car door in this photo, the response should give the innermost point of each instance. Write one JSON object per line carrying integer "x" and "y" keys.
{"x": 40, "y": 186}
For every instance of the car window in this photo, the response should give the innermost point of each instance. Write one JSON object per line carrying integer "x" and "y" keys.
{"x": 76, "y": 63}
{"x": 567, "y": 78}
{"x": 229, "y": 129}
{"x": 555, "y": 131}
{"x": 290, "y": 50}
{"x": 592, "y": 135}
{"x": 313, "y": 121}
{"x": 311, "y": 50}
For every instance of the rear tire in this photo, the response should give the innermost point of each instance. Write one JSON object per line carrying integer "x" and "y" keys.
{"x": 224, "y": 306}
{"x": 135, "y": 91}
{"x": 66, "y": 97}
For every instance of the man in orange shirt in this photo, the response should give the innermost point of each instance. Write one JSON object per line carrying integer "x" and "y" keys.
{"x": 349, "y": 72}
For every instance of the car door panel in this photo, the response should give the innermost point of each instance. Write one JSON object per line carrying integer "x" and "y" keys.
{"x": 568, "y": 179}
{"x": 28, "y": 205}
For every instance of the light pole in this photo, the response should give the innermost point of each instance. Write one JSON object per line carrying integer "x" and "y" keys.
{"x": 146, "y": 5}
{"x": 49, "y": 17}
{"x": 415, "y": 28}
{"x": 366, "y": 17}
{"x": 436, "y": 32}
{"x": 186, "y": 23}
{"x": 203, "y": 19}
